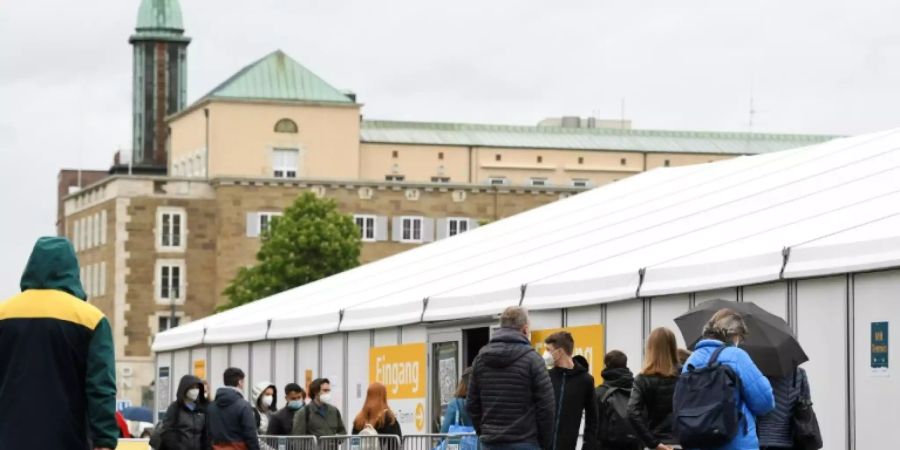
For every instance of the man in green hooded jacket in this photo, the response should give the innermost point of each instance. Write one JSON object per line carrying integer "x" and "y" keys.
{"x": 57, "y": 360}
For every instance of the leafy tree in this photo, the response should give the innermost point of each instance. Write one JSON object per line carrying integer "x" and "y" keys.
{"x": 311, "y": 241}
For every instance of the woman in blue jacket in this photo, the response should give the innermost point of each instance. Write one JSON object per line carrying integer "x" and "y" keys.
{"x": 456, "y": 409}
{"x": 727, "y": 328}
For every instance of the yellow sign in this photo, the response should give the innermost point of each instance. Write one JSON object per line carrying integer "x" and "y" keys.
{"x": 400, "y": 368}
{"x": 200, "y": 369}
{"x": 588, "y": 343}
{"x": 420, "y": 417}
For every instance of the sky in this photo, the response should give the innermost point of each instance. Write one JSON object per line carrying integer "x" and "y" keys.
{"x": 820, "y": 66}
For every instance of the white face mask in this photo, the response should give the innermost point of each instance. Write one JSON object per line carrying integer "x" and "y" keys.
{"x": 325, "y": 397}
{"x": 193, "y": 394}
{"x": 267, "y": 400}
{"x": 548, "y": 359}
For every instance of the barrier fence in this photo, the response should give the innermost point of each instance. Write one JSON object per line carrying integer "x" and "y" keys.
{"x": 379, "y": 442}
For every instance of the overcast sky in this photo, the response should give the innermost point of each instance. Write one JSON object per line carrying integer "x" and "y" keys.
{"x": 820, "y": 66}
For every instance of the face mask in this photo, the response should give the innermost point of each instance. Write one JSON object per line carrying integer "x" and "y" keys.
{"x": 548, "y": 359}
{"x": 192, "y": 394}
{"x": 295, "y": 404}
{"x": 325, "y": 397}
{"x": 267, "y": 400}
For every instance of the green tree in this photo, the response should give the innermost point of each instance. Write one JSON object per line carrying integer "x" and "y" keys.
{"x": 311, "y": 241}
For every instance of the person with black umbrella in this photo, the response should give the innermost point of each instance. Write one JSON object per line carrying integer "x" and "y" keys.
{"x": 727, "y": 329}
{"x": 775, "y": 428}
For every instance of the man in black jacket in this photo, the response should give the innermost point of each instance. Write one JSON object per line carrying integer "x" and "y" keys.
{"x": 510, "y": 396}
{"x": 573, "y": 387}
{"x": 282, "y": 422}
{"x": 231, "y": 420}
{"x": 616, "y": 375}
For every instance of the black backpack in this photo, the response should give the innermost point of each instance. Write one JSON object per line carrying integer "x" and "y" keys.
{"x": 615, "y": 429}
{"x": 706, "y": 411}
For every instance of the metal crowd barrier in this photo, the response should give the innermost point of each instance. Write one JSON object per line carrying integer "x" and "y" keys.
{"x": 456, "y": 441}
{"x": 288, "y": 443}
{"x": 379, "y": 442}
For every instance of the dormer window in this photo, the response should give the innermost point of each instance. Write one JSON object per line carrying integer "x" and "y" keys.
{"x": 286, "y": 126}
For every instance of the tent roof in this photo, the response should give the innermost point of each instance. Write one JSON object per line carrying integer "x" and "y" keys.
{"x": 824, "y": 209}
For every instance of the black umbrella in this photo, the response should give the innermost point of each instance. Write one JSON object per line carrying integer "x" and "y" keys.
{"x": 769, "y": 341}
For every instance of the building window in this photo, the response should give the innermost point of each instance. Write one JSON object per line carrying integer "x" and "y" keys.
{"x": 497, "y": 181}
{"x": 366, "y": 225}
{"x": 623, "y": 161}
{"x": 170, "y": 279}
{"x": 285, "y": 162}
{"x": 170, "y": 226}
{"x": 667, "y": 163}
{"x": 538, "y": 182}
{"x": 540, "y": 159}
{"x": 168, "y": 322}
{"x": 581, "y": 160}
{"x": 581, "y": 183}
{"x": 266, "y": 220}
{"x": 440, "y": 179}
{"x": 457, "y": 225}
{"x": 441, "y": 156}
{"x": 411, "y": 229}
{"x": 497, "y": 157}
{"x": 395, "y": 154}
{"x": 394, "y": 178}
{"x": 285, "y": 126}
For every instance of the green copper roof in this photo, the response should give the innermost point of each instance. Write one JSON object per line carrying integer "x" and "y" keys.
{"x": 277, "y": 77}
{"x": 513, "y": 136}
{"x": 159, "y": 15}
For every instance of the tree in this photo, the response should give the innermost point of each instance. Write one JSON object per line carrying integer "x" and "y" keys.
{"x": 311, "y": 241}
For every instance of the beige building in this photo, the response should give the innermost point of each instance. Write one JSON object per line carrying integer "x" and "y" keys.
{"x": 160, "y": 241}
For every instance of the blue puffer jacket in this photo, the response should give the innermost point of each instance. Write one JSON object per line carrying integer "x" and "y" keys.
{"x": 756, "y": 393}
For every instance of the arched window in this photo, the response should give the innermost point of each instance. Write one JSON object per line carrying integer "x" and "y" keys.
{"x": 286, "y": 126}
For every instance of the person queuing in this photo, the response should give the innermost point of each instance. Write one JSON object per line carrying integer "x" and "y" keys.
{"x": 573, "y": 388}
{"x": 456, "y": 409}
{"x": 185, "y": 426}
{"x": 722, "y": 337}
{"x": 282, "y": 423}
{"x": 319, "y": 417}
{"x": 231, "y": 421}
{"x": 774, "y": 429}
{"x": 510, "y": 396}
{"x": 264, "y": 404}
{"x": 614, "y": 432}
{"x": 376, "y": 415}
{"x": 650, "y": 404}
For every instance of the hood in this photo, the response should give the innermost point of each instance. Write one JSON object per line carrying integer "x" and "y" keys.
{"x": 575, "y": 370}
{"x": 53, "y": 265}
{"x": 620, "y": 378}
{"x": 187, "y": 382}
{"x": 506, "y": 347}
{"x": 226, "y": 396}
{"x": 258, "y": 390}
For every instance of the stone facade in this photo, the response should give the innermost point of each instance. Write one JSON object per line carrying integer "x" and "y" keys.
{"x": 116, "y": 226}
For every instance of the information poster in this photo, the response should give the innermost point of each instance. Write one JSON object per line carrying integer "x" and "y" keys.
{"x": 880, "y": 363}
{"x": 588, "y": 343}
{"x": 164, "y": 391}
{"x": 402, "y": 370}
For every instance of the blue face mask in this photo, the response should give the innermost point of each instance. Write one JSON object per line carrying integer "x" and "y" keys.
{"x": 295, "y": 404}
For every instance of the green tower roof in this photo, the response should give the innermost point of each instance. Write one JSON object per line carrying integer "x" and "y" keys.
{"x": 278, "y": 77}
{"x": 159, "y": 15}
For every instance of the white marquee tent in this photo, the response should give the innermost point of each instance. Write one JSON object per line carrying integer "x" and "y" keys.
{"x": 768, "y": 228}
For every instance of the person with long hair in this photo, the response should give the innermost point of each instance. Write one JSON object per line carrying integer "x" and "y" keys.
{"x": 650, "y": 405}
{"x": 456, "y": 410}
{"x": 376, "y": 413}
